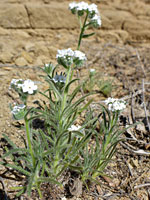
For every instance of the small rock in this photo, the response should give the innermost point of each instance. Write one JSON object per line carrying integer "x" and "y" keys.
{"x": 109, "y": 36}
{"x": 106, "y": 23}
{"x": 22, "y": 34}
{"x": 124, "y": 35}
{"x": 27, "y": 57}
{"x": 141, "y": 127}
{"x": 39, "y": 62}
{"x": 21, "y": 61}
{"x": 76, "y": 188}
{"x": 6, "y": 57}
{"x": 4, "y": 31}
{"x": 29, "y": 47}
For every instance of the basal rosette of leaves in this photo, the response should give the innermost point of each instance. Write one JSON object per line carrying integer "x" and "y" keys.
{"x": 63, "y": 144}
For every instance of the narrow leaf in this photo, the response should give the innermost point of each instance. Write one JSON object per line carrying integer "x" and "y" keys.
{"x": 88, "y": 35}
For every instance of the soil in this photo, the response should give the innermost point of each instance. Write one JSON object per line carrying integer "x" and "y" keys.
{"x": 119, "y": 51}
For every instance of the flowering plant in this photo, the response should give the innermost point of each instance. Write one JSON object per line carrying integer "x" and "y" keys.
{"x": 23, "y": 88}
{"x": 63, "y": 144}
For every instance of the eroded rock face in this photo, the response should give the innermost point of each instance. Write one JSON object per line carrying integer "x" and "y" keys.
{"x": 13, "y": 16}
{"x": 51, "y": 16}
{"x": 31, "y": 31}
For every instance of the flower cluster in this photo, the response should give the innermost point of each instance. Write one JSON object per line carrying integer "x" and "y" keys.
{"x": 74, "y": 128}
{"x": 16, "y": 83}
{"x": 67, "y": 57}
{"x": 115, "y": 104}
{"x": 48, "y": 68}
{"x": 17, "y": 109}
{"x": 91, "y": 10}
{"x": 29, "y": 87}
{"x": 92, "y": 72}
{"x": 26, "y": 86}
{"x": 96, "y": 21}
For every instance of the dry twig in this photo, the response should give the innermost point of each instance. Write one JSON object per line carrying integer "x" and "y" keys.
{"x": 147, "y": 120}
{"x": 142, "y": 185}
{"x": 138, "y": 152}
{"x": 141, "y": 64}
{"x": 132, "y": 108}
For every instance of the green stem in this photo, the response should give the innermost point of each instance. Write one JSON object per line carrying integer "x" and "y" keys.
{"x": 39, "y": 191}
{"x": 56, "y": 162}
{"x": 82, "y": 31}
{"x": 113, "y": 123}
{"x": 29, "y": 141}
{"x": 73, "y": 67}
{"x": 66, "y": 92}
{"x": 80, "y": 22}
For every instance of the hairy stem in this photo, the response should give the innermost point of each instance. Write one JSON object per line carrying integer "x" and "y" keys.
{"x": 82, "y": 31}
{"x": 29, "y": 141}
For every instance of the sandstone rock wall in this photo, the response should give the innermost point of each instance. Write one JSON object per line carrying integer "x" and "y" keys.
{"x": 31, "y": 31}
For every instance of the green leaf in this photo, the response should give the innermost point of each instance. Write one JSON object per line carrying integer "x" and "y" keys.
{"x": 21, "y": 192}
{"x": 88, "y": 35}
{"x": 49, "y": 180}
{"x": 55, "y": 90}
{"x": 74, "y": 93}
{"x": 85, "y": 106}
{"x": 68, "y": 85}
{"x": 33, "y": 179}
{"x": 44, "y": 94}
{"x": 17, "y": 188}
{"x": 9, "y": 141}
{"x": 48, "y": 152}
{"x": 76, "y": 168}
{"x": 17, "y": 150}
{"x": 18, "y": 168}
{"x": 69, "y": 108}
{"x": 44, "y": 139}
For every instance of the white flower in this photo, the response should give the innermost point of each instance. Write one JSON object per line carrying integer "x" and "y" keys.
{"x": 74, "y": 128}
{"x": 64, "y": 53}
{"x": 17, "y": 109}
{"x": 109, "y": 100}
{"x": 78, "y": 7}
{"x": 66, "y": 57}
{"x": 16, "y": 83}
{"x": 92, "y": 70}
{"x": 82, "y": 6}
{"x": 115, "y": 104}
{"x": 92, "y": 8}
{"x": 92, "y": 11}
{"x": 46, "y": 65}
{"x": 63, "y": 198}
{"x": 73, "y": 5}
{"x": 79, "y": 55}
{"x": 96, "y": 20}
{"x": 29, "y": 87}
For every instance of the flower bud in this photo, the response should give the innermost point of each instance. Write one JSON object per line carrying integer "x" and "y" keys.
{"x": 92, "y": 72}
{"x": 18, "y": 111}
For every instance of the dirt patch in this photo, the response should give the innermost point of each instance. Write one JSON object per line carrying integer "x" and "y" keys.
{"x": 130, "y": 169}
{"x": 41, "y": 27}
